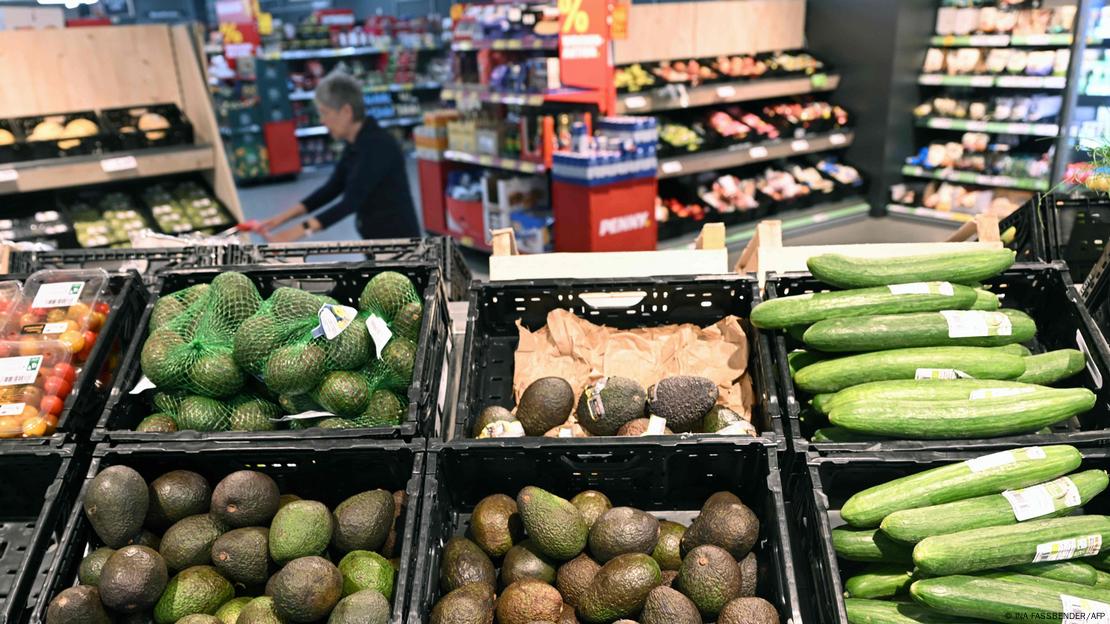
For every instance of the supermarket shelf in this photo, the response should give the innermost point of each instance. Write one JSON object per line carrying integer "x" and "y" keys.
{"x": 929, "y": 215}
{"x": 310, "y": 131}
{"x": 679, "y": 96}
{"x": 999, "y": 127}
{"x": 460, "y": 92}
{"x": 967, "y": 177}
{"x": 40, "y": 175}
{"x": 1005, "y": 82}
{"x": 293, "y": 55}
{"x": 494, "y": 162}
{"x": 793, "y": 223}
{"x": 1003, "y": 41}
{"x": 747, "y": 154}
{"x": 525, "y": 43}
{"x": 390, "y": 88}
{"x": 390, "y": 122}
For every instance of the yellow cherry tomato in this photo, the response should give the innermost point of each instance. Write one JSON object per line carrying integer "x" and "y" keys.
{"x": 72, "y": 340}
{"x": 78, "y": 312}
{"x": 55, "y": 315}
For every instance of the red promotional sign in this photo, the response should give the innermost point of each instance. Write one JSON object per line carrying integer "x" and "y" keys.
{"x": 240, "y": 40}
{"x": 619, "y": 28}
{"x": 584, "y": 59}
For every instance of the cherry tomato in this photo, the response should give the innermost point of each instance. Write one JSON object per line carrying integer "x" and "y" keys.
{"x": 28, "y": 319}
{"x": 102, "y": 307}
{"x": 56, "y": 386}
{"x": 73, "y": 341}
{"x": 96, "y": 321}
{"x": 10, "y": 427}
{"x": 34, "y": 427}
{"x": 38, "y": 312}
{"x": 31, "y": 395}
{"x": 90, "y": 337}
{"x": 65, "y": 371}
{"x": 51, "y": 405}
{"x": 55, "y": 315}
{"x": 78, "y": 312}
{"x": 29, "y": 345}
{"x": 7, "y": 349}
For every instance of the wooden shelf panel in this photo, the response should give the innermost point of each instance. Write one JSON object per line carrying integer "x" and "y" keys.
{"x": 41, "y": 175}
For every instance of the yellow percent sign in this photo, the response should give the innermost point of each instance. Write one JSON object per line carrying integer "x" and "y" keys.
{"x": 576, "y": 20}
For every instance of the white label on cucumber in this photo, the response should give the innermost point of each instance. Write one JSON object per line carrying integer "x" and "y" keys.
{"x": 940, "y": 373}
{"x": 977, "y": 323}
{"x": 19, "y": 371}
{"x": 656, "y": 426}
{"x": 1041, "y": 500}
{"x": 994, "y": 393}
{"x": 922, "y": 288}
{"x": 1084, "y": 610}
{"x": 994, "y": 460}
{"x": 1072, "y": 548}
{"x": 58, "y": 294}
{"x": 379, "y": 332}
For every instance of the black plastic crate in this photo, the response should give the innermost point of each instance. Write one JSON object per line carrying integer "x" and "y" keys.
{"x": 1045, "y": 292}
{"x": 178, "y": 132}
{"x": 486, "y": 369}
{"x": 343, "y": 282}
{"x": 40, "y": 492}
{"x": 148, "y": 262}
{"x": 15, "y": 151}
{"x": 670, "y": 480}
{"x": 1028, "y": 222}
{"x": 57, "y": 148}
{"x": 441, "y": 250}
{"x": 820, "y": 488}
{"x": 328, "y": 471}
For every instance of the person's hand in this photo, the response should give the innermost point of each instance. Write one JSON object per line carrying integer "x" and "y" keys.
{"x": 281, "y": 218}
{"x": 287, "y": 235}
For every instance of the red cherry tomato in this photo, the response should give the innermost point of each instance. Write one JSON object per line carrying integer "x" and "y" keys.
{"x": 90, "y": 337}
{"x": 51, "y": 405}
{"x": 65, "y": 371}
{"x": 84, "y": 353}
{"x": 102, "y": 307}
{"x": 56, "y": 386}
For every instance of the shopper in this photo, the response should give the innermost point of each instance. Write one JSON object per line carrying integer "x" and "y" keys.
{"x": 370, "y": 175}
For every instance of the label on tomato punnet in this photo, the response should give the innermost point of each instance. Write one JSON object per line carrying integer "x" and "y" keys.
{"x": 1041, "y": 500}
{"x": 1072, "y": 548}
{"x": 58, "y": 295}
{"x": 12, "y": 409}
{"x": 977, "y": 323}
{"x": 19, "y": 371}
{"x": 922, "y": 288}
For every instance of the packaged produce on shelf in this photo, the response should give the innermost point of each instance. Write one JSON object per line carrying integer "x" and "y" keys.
{"x": 509, "y": 20}
{"x": 959, "y": 19}
{"x": 40, "y": 224}
{"x": 977, "y": 153}
{"x": 996, "y": 62}
{"x": 1038, "y": 108}
{"x": 948, "y": 197}
{"x": 622, "y": 149}
{"x": 842, "y": 173}
{"x": 695, "y": 72}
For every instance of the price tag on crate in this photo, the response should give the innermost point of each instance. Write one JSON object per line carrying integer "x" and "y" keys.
{"x": 121, "y": 163}
{"x": 635, "y": 102}
{"x": 8, "y": 175}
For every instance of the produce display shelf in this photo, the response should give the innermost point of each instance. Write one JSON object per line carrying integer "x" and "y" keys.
{"x": 389, "y": 88}
{"x": 680, "y": 96}
{"x": 745, "y": 154}
{"x": 292, "y": 55}
{"x": 495, "y": 162}
{"x": 929, "y": 215}
{"x": 820, "y": 216}
{"x": 1004, "y": 41}
{"x": 968, "y": 177}
{"x": 483, "y": 94}
{"x": 56, "y": 173}
{"x": 1006, "y": 82}
{"x": 524, "y": 43}
{"x": 999, "y": 127}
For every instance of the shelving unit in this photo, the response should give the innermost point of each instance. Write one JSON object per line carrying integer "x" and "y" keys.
{"x": 678, "y": 96}
{"x": 42, "y": 175}
{"x": 744, "y": 154}
{"x": 968, "y": 125}
{"x": 967, "y": 177}
{"x": 796, "y": 223}
{"x": 294, "y": 55}
{"x": 388, "y": 88}
{"x": 508, "y": 164}
{"x": 524, "y": 43}
{"x": 1002, "y": 82}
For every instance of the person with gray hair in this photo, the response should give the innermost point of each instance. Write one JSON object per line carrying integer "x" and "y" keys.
{"x": 370, "y": 175}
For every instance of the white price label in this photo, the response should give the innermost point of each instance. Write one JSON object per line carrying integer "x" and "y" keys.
{"x": 19, "y": 371}
{"x": 503, "y": 429}
{"x": 671, "y": 166}
{"x": 1041, "y": 500}
{"x": 12, "y": 409}
{"x": 758, "y": 152}
{"x": 379, "y": 332}
{"x": 1071, "y": 548}
{"x": 837, "y": 139}
{"x": 55, "y": 328}
{"x": 940, "y": 373}
{"x": 8, "y": 175}
{"x": 982, "y": 81}
{"x": 303, "y": 416}
{"x": 987, "y": 462}
{"x": 656, "y": 426}
{"x": 1075, "y": 609}
{"x": 995, "y": 393}
{"x": 801, "y": 145}
{"x": 726, "y": 91}
{"x": 635, "y": 102}
{"x": 333, "y": 320}
{"x": 120, "y": 163}
{"x": 143, "y": 385}
{"x": 940, "y": 123}
{"x": 976, "y": 323}
{"x": 930, "y": 79}
{"x": 566, "y": 432}
{"x": 1037, "y": 40}
{"x": 922, "y": 288}
{"x": 1020, "y": 128}
{"x": 58, "y": 295}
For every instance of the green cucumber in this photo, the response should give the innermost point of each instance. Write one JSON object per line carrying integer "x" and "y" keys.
{"x": 840, "y": 434}
{"x": 919, "y": 329}
{"x": 865, "y": 611}
{"x": 812, "y": 307}
{"x": 820, "y": 402}
{"x": 962, "y": 419}
{"x": 1102, "y": 579}
{"x": 797, "y": 331}
{"x": 869, "y": 545}
{"x": 988, "y": 474}
{"x": 800, "y": 358}
{"x": 990, "y": 599}
{"x": 1063, "y": 587}
{"x": 985, "y": 300}
{"x": 1015, "y": 349}
{"x": 914, "y": 525}
{"x": 998, "y": 547}
{"x": 1068, "y": 571}
{"x": 919, "y": 390}
{"x": 960, "y": 266}
{"x": 1101, "y": 560}
{"x": 879, "y": 581}
{"x": 1052, "y": 366}
{"x": 852, "y": 370}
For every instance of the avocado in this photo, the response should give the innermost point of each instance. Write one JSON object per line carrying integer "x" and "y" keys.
{"x": 160, "y": 359}
{"x": 351, "y": 349}
{"x": 710, "y": 577}
{"x": 132, "y": 579}
{"x": 189, "y": 541}
{"x": 529, "y": 601}
{"x": 469, "y": 604}
{"x": 260, "y": 611}
{"x": 667, "y": 606}
{"x": 749, "y": 575}
{"x": 495, "y": 524}
{"x": 748, "y": 610}
{"x": 116, "y": 504}
{"x": 255, "y": 340}
{"x": 392, "y": 545}
{"x": 176, "y": 495}
{"x": 638, "y": 427}
{"x": 408, "y": 320}
{"x": 77, "y": 605}
{"x": 362, "y": 522}
{"x": 574, "y": 576}
{"x": 524, "y": 561}
{"x": 386, "y": 293}
{"x": 293, "y": 304}
{"x": 399, "y": 357}
{"x": 199, "y": 618}
{"x": 718, "y": 418}
{"x": 157, "y": 423}
{"x": 591, "y": 504}
{"x": 245, "y": 498}
{"x": 300, "y": 529}
{"x": 344, "y": 393}
{"x": 384, "y": 409}
{"x": 364, "y": 607}
{"x": 229, "y": 612}
{"x": 232, "y": 299}
{"x": 89, "y": 571}
{"x": 165, "y": 309}
{"x": 462, "y": 563}
{"x": 307, "y": 589}
{"x": 619, "y": 588}
{"x": 199, "y": 413}
{"x": 726, "y": 522}
{"x": 608, "y": 403}
{"x": 553, "y": 523}
{"x": 337, "y": 423}
{"x": 545, "y": 403}
{"x": 253, "y": 415}
{"x": 491, "y": 413}
{"x": 145, "y": 538}
{"x": 285, "y": 499}
{"x": 668, "y": 550}
{"x": 683, "y": 400}
{"x": 623, "y": 530}
{"x": 567, "y": 616}
{"x": 216, "y": 375}
{"x": 668, "y": 578}
{"x": 199, "y": 589}
{"x": 295, "y": 369}
{"x": 362, "y": 569}
{"x": 243, "y": 555}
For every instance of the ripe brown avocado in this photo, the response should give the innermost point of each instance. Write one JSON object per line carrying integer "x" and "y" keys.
{"x": 245, "y": 498}
{"x": 243, "y": 555}
{"x": 524, "y": 561}
{"x": 176, "y": 495}
{"x": 610, "y": 402}
{"x": 529, "y": 601}
{"x": 545, "y": 403}
{"x": 683, "y": 401}
{"x": 491, "y": 413}
{"x": 495, "y": 524}
{"x": 619, "y": 588}
{"x": 362, "y": 522}
{"x": 591, "y": 504}
{"x": 463, "y": 562}
{"x": 623, "y": 530}
{"x": 726, "y": 522}
{"x": 307, "y": 589}
{"x": 749, "y": 575}
{"x": 667, "y": 606}
{"x": 574, "y": 576}
{"x": 709, "y": 577}
{"x": 748, "y": 611}
{"x": 77, "y": 605}
{"x": 189, "y": 541}
{"x": 470, "y": 604}
{"x": 132, "y": 579}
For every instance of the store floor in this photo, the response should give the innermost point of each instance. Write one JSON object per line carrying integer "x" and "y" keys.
{"x": 260, "y": 202}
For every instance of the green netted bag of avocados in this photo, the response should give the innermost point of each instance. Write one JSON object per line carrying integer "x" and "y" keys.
{"x": 391, "y": 297}
{"x": 191, "y": 412}
{"x": 192, "y": 333}
{"x": 384, "y": 409}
